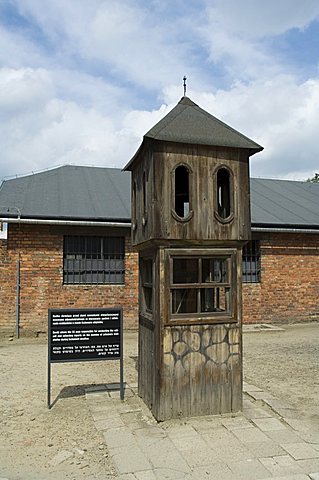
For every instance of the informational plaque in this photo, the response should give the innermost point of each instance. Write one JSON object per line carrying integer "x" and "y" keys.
{"x": 85, "y": 335}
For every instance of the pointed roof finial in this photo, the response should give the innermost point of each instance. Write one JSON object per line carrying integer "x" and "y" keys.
{"x": 184, "y": 85}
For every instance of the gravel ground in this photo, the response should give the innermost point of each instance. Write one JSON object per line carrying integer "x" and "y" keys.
{"x": 62, "y": 443}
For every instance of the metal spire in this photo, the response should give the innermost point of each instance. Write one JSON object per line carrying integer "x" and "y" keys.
{"x": 184, "y": 85}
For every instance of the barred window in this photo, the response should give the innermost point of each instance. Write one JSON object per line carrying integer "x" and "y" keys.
{"x": 93, "y": 260}
{"x": 251, "y": 262}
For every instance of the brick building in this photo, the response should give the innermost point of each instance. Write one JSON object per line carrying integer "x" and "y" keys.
{"x": 68, "y": 246}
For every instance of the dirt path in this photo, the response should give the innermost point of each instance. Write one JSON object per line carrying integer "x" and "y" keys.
{"x": 34, "y": 440}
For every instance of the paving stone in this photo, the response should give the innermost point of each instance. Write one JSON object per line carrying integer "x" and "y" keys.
{"x": 314, "y": 476}
{"x": 181, "y": 431}
{"x": 219, "y": 471}
{"x": 163, "y": 454}
{"x": 114, "y": 386}
{"x": 119, "y": 437}
{"x": 300, "y": 451}
{"x": 284, "y": 436}
{"x": 288, "y": 413}
{"x": 309, "y": 465}
{"x": 281, "y": 465}
{"x": 127, "y": 476}
{"x": 256, "y": 412}
{"x": 108, "y": 423}
{"x": 236, "y": 422}
{"x": 168, "y": 474}
{"x": 106, "y": 413}
{"x": 128, "y": 460}
{"x": 204, "y": 424}
{"x": 228, "y": 448}
{"x": 309, "y": 436}
{"x": 247, "y": 387}
{"x": 248, "y": 435}
{"x": 269, "y": 424}
{"x": 265, "y": 449}
{"x": 145, "y": 475}
{"x": 298, "y": 476}
{"x": 187, "y": 443}
{"x": 96, "y": 388}
{"x": 261, "y": 395}
{"x": 102, "y": 407}
{"x": 97, "y": 395}
{"x": 132, "y": 385}
{"x": 250, "y": 469}
{"x": 149, "y": 435}
{"x": 202, "y": 455}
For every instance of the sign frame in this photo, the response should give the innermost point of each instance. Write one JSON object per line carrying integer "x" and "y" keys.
{"x": 84, "y": 311}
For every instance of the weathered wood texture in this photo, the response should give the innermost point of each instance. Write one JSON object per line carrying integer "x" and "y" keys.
{"x": 153, "y": 178}
{"x": 185, "y": 369}
{"x": 201, "y": 372}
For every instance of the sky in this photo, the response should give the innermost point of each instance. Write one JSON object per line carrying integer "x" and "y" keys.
{"x": 81, "y": 81}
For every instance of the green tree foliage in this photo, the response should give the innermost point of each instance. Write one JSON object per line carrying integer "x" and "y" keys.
{"x": 314, "y": 179}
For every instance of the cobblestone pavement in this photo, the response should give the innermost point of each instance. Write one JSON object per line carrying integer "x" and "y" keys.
{"x": 266, "y": 441}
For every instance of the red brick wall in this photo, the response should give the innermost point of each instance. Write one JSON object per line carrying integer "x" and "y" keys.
{"x": 41, "y": 278}
{"x": 289, "y": 288}
{"x": 288, "y": 292}
{"x": 8, "y": 272}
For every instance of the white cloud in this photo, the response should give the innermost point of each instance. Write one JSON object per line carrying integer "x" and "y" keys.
{"x": 235, "y": 33}
{"x": 73, "y": 98}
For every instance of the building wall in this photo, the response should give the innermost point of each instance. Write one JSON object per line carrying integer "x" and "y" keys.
{"x": 41, "y": 278}
{"x": 289, "y": 287}
{"x": 288, "y": 291}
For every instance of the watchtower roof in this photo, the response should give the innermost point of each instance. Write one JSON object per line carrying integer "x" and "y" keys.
{"x": 188, "y": 123}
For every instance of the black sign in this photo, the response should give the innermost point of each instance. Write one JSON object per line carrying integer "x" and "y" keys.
{"x": 82, "y": 335}
{"x": 79, "y": 335}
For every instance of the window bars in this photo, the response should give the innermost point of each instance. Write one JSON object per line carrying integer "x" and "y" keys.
{"x": 93, "y": 260}
{"x": 251, "y": 262}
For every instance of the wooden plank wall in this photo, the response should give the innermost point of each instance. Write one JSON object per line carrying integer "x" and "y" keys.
{"x": 202, "y": 371}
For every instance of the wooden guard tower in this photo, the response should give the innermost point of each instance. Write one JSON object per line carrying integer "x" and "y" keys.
{"x": 190, "y": 220}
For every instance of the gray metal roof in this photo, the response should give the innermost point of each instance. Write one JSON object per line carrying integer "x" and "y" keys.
{"x": 284, "y": 203}
{"x": 71, "y": 192}
{"x": 103, "y": 194}
{"x": 188, "y": 123}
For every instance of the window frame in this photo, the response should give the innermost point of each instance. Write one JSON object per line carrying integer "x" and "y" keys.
{"x": 251, "y": 255}
{"x": 231, "y": 195}
{"x": 175, "y": 215}
{"x": 144, "y": 310}
{"x": 83, "y": 275}
{"x": 202, "y": 317}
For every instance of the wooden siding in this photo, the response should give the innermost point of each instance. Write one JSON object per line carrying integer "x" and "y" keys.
{"x": 158, "y": 163}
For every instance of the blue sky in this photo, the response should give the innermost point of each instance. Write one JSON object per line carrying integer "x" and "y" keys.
{"x": 82, "y": 81}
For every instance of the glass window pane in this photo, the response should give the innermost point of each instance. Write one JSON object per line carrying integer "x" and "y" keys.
{"x": 185, "y": 270}
{"x": 182, "y": 191}
{"x": 148, "y": 298}
{"x": 223, "y": 193}
{"x": 184, "y": 300}
{"x": 215, "y": 299}
{"x": 146, "y": 269}
{"x": 215, "y": 270}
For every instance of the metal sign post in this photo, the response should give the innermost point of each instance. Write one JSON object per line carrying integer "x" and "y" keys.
{"x": 85, "y": 335}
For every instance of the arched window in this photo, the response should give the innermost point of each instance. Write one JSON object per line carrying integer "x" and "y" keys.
{"x": 182, "y": 191}
{"x": 224, "y": 194}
